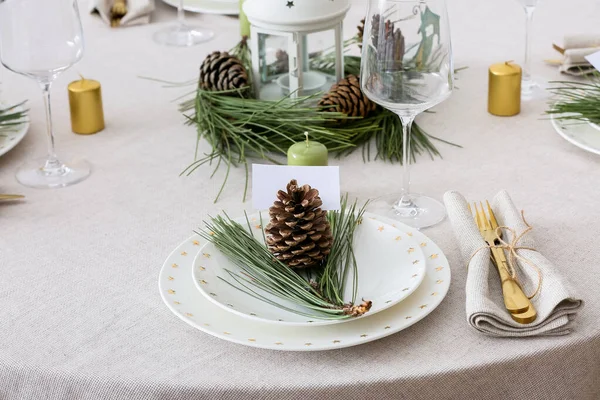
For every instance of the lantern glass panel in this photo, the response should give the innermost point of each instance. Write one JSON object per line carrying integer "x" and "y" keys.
{"x": 318, "y": 61}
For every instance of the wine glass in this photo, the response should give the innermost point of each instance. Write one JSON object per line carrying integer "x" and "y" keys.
{"x": 529, "y": 87}
{"x": 407, "y": 68}
{"x": 40, "y": 39}
{"x": 182, "y": 35}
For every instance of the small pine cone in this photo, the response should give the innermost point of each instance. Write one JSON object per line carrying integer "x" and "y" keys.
{"x": 298, "y": 233}
{"x": 221, "y": 71}
{"x": 347, "y": 97}
{"x": 361, "y": 32}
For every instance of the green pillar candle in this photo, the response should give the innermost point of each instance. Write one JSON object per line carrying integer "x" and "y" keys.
{"x": 307, "y": 153}
{"x": 244, "y": 23}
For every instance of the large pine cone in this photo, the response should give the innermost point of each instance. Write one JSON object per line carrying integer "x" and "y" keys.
{"x": 298, "y": 233}
{"x": 347, "y": 97}
{"x": 221, "y": 71}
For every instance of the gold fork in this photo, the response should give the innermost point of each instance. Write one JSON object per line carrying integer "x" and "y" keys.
{"x": 515, "y": 301}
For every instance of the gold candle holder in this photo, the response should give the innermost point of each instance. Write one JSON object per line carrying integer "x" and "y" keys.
{"x": 504, "y": 91}
{"x": 85, "y": 101}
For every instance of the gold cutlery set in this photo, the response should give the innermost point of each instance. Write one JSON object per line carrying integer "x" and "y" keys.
{"x": 516, "y": 302}
{"x": 117, "y": 12}
{"x": 7, "y": 197}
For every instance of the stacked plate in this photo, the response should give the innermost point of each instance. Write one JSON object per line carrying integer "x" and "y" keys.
{"x": 225, "y": 7}
{"x": 400, "y": 270}
{"x": 9, "y": 138}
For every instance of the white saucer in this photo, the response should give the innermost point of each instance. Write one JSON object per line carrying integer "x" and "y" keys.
{"x": 224, "y": 7}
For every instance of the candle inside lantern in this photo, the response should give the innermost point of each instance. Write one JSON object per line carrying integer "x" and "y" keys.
{"x": 504, "y": 91}
{"x": 244, "y": 23}
{"x": 85, "y": 101}
{"x": 307, "y": 153}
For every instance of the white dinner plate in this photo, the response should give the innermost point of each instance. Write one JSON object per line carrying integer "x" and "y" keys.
{"x": 225, "y": 7}
{"x": 186, "y": 302}
{"x": 11, "y": 137}
{"x": 390, "y": 265}
{"x": 582, "y": 134}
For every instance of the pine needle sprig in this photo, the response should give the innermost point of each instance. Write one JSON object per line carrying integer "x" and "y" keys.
{"x": 321, "y": 297}
{"x": 11, "y": 117}
{"x": 577, "y": 101}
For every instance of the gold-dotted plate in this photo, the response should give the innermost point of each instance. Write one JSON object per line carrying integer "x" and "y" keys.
{"x": 185, "y": 301}
{"x": 390, "y": 263}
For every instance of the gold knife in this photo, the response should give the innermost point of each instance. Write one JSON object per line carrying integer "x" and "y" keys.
{"x": 501, "y": 263}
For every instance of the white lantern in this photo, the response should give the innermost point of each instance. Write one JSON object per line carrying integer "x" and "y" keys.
{"x": 281, "y": 33}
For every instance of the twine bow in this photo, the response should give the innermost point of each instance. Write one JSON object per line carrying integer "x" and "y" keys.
{"x": 512, "y": 247}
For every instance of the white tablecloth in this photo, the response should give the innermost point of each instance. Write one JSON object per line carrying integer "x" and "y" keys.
{"x": 80, "y": 312}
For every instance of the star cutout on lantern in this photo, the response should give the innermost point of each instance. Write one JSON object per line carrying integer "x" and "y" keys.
{"x": 290, "y": 4}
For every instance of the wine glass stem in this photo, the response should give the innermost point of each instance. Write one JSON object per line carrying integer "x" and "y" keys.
{"x": 52, "y": 161}
{"x": 528, "y": 36}
{"x": 180, "y": 14}
{"x": 406, "y": 130}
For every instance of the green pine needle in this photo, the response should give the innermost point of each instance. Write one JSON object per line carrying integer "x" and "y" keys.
{"x": 319, "y": 291}
{"x": 10, "y": 118}
{"x": 577, "y": 101}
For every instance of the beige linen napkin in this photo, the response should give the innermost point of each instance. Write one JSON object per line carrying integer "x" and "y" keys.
{"x": 575, "y": 48}
{"x": 556, "y": 304}
{"x": 138, "y": 11}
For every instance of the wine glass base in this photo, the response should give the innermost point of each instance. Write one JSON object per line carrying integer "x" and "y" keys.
{"x": 42, "y": 174}
{"x": 182, "y": 36}
{"x": 534, "y": 89}
{"x": 414, "y": 210}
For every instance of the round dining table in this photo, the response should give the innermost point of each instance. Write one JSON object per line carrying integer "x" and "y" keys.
{"x": 81, "y": 316}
